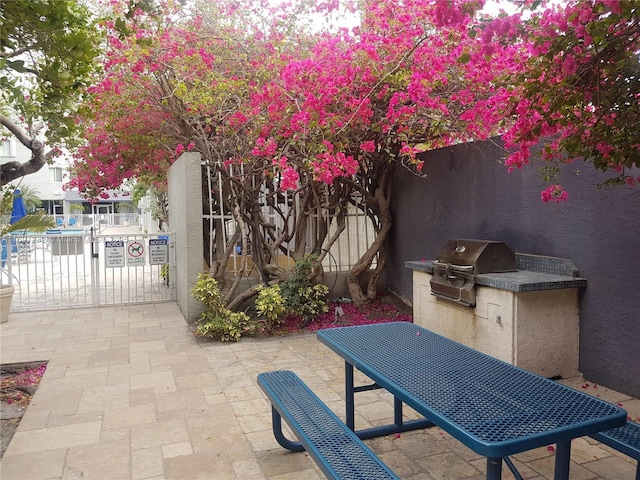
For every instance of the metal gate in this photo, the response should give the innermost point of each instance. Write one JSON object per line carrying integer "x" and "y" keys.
{"x": 70, "y": 268}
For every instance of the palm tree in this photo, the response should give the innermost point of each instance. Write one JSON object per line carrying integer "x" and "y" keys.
{"x": 34, "y": 222}
{"x": 31, "y": 198}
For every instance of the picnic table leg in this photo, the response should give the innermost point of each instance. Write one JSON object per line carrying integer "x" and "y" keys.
{"x": 494, "y": 468}
{"x": 563, "y": 456}
{"x": 397, "y": 412}
{"x": 513, "y": 468}
{"x": 276, "y": 421}
{"x": 399, "y": 424}
{"x": 350, "y": 396}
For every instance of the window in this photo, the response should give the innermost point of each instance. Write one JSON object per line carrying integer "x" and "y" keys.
{"x": 56, "y": 174}
{"x": 5, "y": 148}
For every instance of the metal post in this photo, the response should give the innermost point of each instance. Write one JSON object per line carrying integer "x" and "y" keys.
{"x": 397, "y": 412}
{"x": 95, "y": 270}
{"x": 494, "y": 468}
{"x": 563, "y": 457}
{"x": 276, "y": 420}
{"x": 350, "y": 394}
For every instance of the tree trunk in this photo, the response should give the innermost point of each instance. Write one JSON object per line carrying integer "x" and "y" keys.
{"x": 363, "y": 266}
{"x": 378, "y": 206}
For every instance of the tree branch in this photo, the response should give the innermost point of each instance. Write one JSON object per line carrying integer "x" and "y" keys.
{"x": 15, "y": 169}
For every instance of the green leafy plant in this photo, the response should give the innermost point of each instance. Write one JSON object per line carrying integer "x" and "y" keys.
{"x": 164, "y": 273}
{"x": 216, "y": 321}
{"x": 50, "y": 50}
{"x": 125, "y": 207}
{"x": 76, "y": 208}
{"x": 302, "y": 296}
{"x": 35, "y": 222}
{"x": 271, "y": 305}
{"x": 31, "y": 197}
{"x": 295, "y": 296}
{"x": 312, "y": 301}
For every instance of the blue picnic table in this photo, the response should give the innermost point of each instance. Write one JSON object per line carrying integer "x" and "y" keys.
{"x": 492, "y": 407}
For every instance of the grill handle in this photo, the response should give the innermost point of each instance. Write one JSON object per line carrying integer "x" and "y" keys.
{"x": 451, "y": 265}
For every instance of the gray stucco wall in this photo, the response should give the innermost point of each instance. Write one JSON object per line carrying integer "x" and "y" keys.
{"x": 468, "y": 193}
{"x": 185, "y": 219}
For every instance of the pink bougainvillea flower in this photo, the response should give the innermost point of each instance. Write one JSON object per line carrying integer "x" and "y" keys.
{"x": 368, "y": 146}
{"x": 554, "y": 193}
{"x": 289, "y": 177}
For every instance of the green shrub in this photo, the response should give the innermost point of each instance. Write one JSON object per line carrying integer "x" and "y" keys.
{"x": 311, "y": 301}
{"x": 226, "y": 329}
{"x": 216, "y": 321}
{"x": 301, "y": 295}
{"x": 271, "y": 305}
{"x": 295, "y": 296}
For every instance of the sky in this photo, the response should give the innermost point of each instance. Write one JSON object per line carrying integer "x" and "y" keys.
{"x": 492, "y": 7}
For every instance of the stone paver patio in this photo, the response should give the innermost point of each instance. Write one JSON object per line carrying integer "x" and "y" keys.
{"x": 129, "y": 393}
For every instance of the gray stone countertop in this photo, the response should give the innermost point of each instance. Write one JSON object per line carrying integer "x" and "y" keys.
{"x": 535, "y": 273}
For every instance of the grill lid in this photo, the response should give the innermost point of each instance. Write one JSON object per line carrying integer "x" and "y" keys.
{"x": 484, "y": 256}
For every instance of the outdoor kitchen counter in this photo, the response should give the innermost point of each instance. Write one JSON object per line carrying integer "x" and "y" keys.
{"x": 529, "y": 317}
{"x": 535, "y": 272}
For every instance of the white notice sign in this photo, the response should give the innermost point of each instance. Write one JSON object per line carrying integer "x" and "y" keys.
{"x": 114, "y": 254}
{"x": 158, "y": 251}
{"x": 135, "y": 253}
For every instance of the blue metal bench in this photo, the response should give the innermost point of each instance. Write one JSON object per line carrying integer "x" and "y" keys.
{"x": 624, "y": 439}
{"x": 339, "y": 453}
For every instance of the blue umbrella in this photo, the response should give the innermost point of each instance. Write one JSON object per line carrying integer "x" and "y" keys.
{"x": 17, "y": 212}
{"x": 19, "y": 209}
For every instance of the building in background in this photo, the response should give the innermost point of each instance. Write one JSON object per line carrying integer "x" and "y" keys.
{"x": 67, "y": 206}
{"x": 48, "y": 181}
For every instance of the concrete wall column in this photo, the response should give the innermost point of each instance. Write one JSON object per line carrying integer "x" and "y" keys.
{"x": 185, "y": 219}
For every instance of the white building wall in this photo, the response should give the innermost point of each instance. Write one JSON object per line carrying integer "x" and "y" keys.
{"x": 43, "y": 180}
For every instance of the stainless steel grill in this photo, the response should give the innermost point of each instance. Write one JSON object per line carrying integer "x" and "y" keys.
{"x": 460, "y": 260}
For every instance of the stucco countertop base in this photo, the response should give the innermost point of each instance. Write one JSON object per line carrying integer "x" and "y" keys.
{"x": 528, "y": 317}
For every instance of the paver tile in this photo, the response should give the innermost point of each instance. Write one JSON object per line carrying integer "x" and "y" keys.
{"x": 147, "y": 463}
{"x": 33, "y": 466}
{"x": 158, "y": 434}
{"x": 129, "y": 416}
{"x": 53, "y": 438}
{"x": 206, "y": 465}
{"x": 102, "y": 461}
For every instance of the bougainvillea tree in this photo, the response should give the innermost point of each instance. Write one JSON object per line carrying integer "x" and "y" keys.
{"x": 181, "y": 84}
{"x": 412, "y": 77}
{"x": 300, "y": 122}
{"x": 578, "y": 94}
